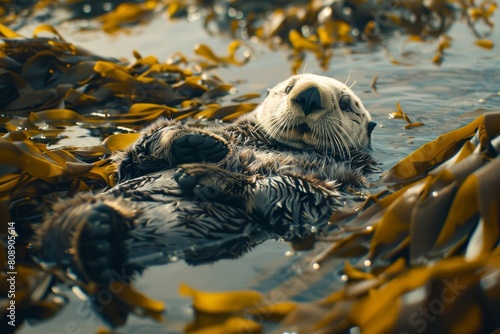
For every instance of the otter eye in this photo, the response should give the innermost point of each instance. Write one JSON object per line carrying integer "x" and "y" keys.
{"x": 288, "y": 89}
{"x": 345, "y": 103}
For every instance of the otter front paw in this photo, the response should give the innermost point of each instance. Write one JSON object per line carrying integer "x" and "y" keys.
{"x": 86, "y": 234}
{"x": 211, "y": 183}
{"x": 198, "y": 147}
{"x": 168, "y": 147}
{"x": 99, "y": 252}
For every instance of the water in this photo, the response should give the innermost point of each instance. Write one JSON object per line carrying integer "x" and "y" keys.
{"x": 443, "y": 98}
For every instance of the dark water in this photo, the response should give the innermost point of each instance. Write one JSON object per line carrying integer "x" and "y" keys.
{"x": 444, "y": 98}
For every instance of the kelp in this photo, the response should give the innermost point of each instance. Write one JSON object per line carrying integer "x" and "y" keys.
{"x": 399, "y": 113}
{"x": 49, "y": 85}
{"x": 422, "y": 258}
{"x": 306, "y": 26}
{"x": 49, "y": 73}
{"x": 435, "y": 231}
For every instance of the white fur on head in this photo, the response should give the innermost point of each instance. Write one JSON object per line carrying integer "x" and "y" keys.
{"x": 337, "y": 122}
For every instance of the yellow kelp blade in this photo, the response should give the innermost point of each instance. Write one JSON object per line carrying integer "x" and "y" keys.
{"x": 436, "y": 151}
{"x": 120, "y": 141}
{"x": 126, "y": 14}
{"x": 452, "y": 272}
{"x": 221, "y": 302}
{"x": 130, "y": 296}
{"x": 207, "y": 52}
{"x": 233, "y": 325}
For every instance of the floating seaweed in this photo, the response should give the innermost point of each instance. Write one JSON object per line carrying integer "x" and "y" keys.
{"x": 48, "y": 85}
{"x": 399, "y": 113}
{"x": 436, "y": 230}
{"x": 306, "y": 26}
{"x": 428, "y": 248}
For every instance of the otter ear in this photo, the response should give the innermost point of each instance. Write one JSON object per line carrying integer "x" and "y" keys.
{"x": 371, "y": 126}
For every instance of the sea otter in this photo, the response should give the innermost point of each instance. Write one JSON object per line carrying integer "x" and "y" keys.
{"x": 203, "y": 194}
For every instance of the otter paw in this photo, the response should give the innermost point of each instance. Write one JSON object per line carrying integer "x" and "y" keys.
{"x": 198, "y": 147}
{"x": 99, "y": 250}
{"x": 197, "y": 175}
{"x": 211, "y": 183}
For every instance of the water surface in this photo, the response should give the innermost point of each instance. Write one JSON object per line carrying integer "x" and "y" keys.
{"x": 443, "y": 97}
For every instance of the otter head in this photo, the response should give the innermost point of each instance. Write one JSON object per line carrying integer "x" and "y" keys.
{"x": 310, "y": 111}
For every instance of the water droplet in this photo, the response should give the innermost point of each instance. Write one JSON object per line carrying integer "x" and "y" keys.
{"x": 107, "y": 6}
{"x": 482, "y": 101}
{"x": 435, "y": 194}
{"x": 369, "y": 228}
{"x": 316, "y": 266}
{"x": 193, "y": 17}
{"x": 367, "y": 263}
{"x": 231, "y": 12}
{"x": 87, "y": 9}
{"x": 314, "y": 229}
{"x": 344, "y": 278}
{"x": 289, "y": 253}
{"x": 173, "y": 258}
{"x": 347, "y": 11}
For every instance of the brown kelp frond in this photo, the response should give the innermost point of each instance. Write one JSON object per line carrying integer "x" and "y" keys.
{"x": 306, "y": 26}
{"x": 421, "y": 258}
{"x": 50, "y": 88}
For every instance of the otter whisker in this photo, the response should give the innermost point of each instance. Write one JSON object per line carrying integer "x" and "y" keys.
{"x": 347, "y": 135}
{"x": 348, "y": 77}
{"x": 275, "y": 128}
{"x": 340, "y": 148}
{"x": 336, "y": 141}
{"x": 344, "y": 141}
{"x": 321, "y": 135}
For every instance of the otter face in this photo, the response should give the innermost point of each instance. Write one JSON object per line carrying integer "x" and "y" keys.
{"x": 310, "y": 111}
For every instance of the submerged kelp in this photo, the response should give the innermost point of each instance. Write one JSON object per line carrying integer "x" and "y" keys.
{"x": 307, "y": 26}
{"x": 423, "y": 258}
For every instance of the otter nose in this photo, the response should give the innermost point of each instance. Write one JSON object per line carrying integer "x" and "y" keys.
{"x": 309, "y": 99}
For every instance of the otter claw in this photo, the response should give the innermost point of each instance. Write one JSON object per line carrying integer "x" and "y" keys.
{"x": 185, "y": 180}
